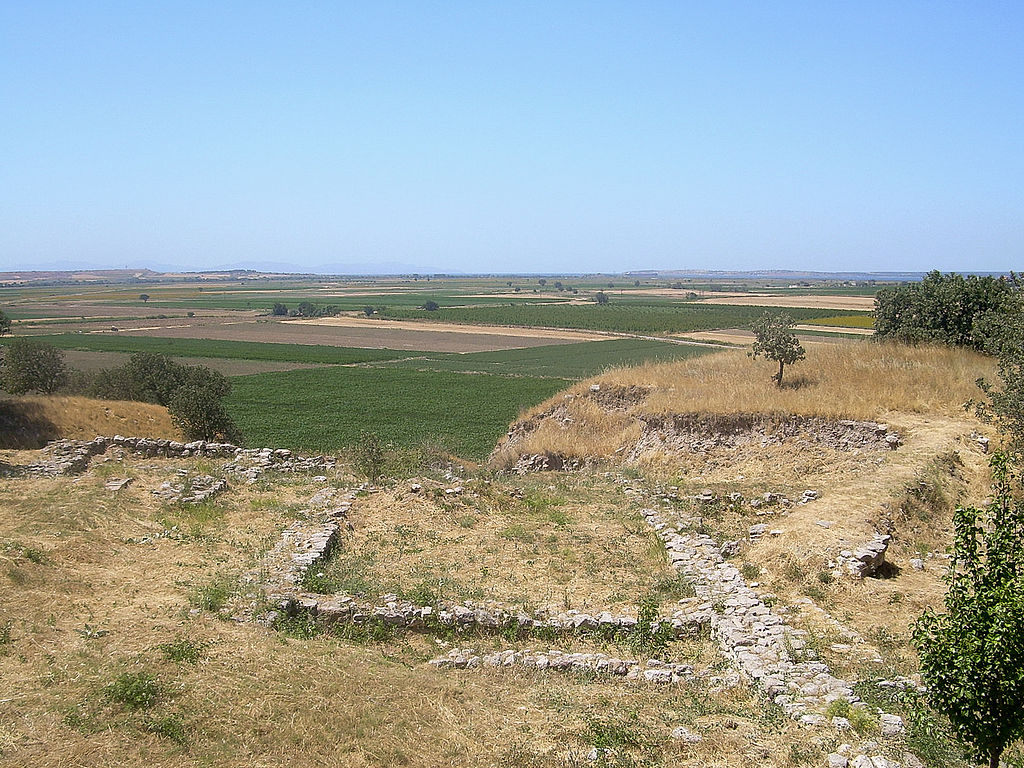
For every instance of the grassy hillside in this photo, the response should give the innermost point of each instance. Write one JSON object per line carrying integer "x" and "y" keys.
{"x": 850, "y": 381}
{"x": 30, "y": 422}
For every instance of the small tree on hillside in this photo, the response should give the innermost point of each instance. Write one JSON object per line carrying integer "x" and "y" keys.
{"x": 431, "y": 306}
{"x": 31, "y": 365}
{"x": 143, "y": 297}
{"x": 774, "y": 340}
{"x": 972, "y": 656}
{"x": 279, "y": 310}
{"x": 5, "y": 323}
{"x": 197, "y": 411}
{"x": 601, "y": 297}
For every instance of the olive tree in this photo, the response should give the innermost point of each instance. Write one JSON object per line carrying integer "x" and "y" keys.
{"x": 31, "y": 365}
{"x": 951, "y": 309}
{"x": 5, "y": 323}
{"x": 972, "y": 656}
{"x": 200, "y": 415}
{"x": 774, "y": 340}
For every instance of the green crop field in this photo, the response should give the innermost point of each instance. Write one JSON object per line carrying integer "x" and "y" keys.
{"x": 628, "y": 318}
{"x": 238, "y": 350}
{"x": 564, "y": 361}
{"x": 325, "y": 409}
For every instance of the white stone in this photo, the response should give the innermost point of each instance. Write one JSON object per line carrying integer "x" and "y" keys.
{"x": 685, "y": 734}
{"x": 891, "y": 725}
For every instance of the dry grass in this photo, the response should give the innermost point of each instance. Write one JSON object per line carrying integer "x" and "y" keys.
{"x": 853, "y": 381}
{"x": 551, "y": 545}
{"x": 34, "y": 420}
{"x": 842, "y": 381}
{"x": 87, "y": 601}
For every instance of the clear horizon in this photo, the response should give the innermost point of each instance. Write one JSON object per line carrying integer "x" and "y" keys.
{"x": 523, "y": 138}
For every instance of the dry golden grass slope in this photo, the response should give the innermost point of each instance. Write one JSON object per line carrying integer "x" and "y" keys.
{"x": 32, "y": 421}
{"x": 837, "y": 381}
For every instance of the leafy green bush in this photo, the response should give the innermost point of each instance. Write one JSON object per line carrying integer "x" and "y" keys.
{"x": 213, "y": 595}
{"x": 972, "y": 656}
{"x": 33, "y": 366}
{"x": 650, "y": 636}
{"x": 170, "y": 727}
{"x": 952, "y": 309}
{"x": 184, "y": 649}
{"x": 135, "y": 690}
{"x": 199, "y": 413}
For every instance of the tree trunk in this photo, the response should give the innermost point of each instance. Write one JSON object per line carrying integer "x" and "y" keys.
{"x": 993, "y": 760}
{"x": 778, "y": 376}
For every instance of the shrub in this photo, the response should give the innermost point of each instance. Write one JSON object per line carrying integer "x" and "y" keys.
{"x": 650, "y": 636}
{"x": 213, "y": 595}
{"x": 368, "y": 455}
{"x": 170, "y": 727}
{"x": 154, "y": 378}
{"x": 184, "y": 649}
{"x": 5, "y": 323}
{"x": 31, "y": 365}
{"x": 135, "y": 690}
{"x": 1005, "y": 405}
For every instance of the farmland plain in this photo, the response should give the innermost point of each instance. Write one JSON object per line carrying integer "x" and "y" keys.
{"x": 454, "y": 376}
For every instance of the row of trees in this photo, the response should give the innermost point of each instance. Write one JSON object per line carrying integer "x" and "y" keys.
{"x": 192, "y": 394}
{"x": 305, "y": 309}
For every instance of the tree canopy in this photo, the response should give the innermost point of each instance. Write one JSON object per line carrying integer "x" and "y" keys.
{"x": 965, "y": 311}
{"x": 972, "y": 656}
{"x": 33, "y": 366}
{"x": 774, "y": 340}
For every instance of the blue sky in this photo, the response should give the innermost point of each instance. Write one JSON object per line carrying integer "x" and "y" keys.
{"x": 513, "y": 137}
